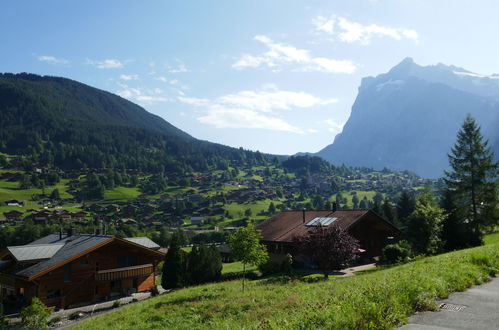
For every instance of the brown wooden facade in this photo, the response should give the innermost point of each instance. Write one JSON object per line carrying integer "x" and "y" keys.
{"x": 371, "y": 231}
{"x": 117, "y": 267}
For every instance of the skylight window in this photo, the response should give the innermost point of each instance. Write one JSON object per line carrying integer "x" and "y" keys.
{"x": 321, "y": 222}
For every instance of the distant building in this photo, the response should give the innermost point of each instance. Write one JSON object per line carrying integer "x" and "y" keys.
{"x": 13, "y": 215}
{"x": 197, "y": 220}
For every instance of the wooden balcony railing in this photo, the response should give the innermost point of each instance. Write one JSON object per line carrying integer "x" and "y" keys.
{"x": 124, "y": 272}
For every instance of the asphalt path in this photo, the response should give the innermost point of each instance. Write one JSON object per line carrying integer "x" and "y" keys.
{"x": 476, "y": 308}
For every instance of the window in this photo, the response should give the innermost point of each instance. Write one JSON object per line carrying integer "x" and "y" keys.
{"x": 53, "y": 294}
{"x": 127, "y": 261}
{"x": 67, "y": 272}
{"x": 316, "y": 222}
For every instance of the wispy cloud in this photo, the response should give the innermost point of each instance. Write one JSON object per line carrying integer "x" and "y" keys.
{"x": 223, "y": 117}
{"x": 254, "y": 109}
{"x": 179, "y": 69}
{"x": 129, "y": 77}
{"x": 349, "y": 31}
{"x": 323, "y": 24}
{"x": 52, "y": 59}
{"x": 106, "y": 64}
{"x": 333, "y": 126}
{"x": 279, "y": 54}
{"x": 142, "y": 95}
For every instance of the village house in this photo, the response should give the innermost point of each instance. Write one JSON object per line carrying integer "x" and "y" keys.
{"x": 65, "y": 270}
{"x": 372, "y": 231}
{"x": 13, "y": 215}
{"x": 14, "y": 202}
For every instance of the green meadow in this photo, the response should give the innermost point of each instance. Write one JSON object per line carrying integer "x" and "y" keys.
{"x": 382, "y": 299}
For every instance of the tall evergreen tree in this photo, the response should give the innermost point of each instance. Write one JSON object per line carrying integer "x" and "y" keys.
{"x": 405, "y": 206}
{"x": 174, "y": 268}
{"x": 472, "y": 181}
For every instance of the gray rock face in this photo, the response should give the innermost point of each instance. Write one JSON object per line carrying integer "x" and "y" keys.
{"x": 408, "y": 118}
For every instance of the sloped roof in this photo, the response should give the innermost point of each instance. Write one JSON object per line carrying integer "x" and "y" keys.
{"x": 286, "y": 225}
{"x": 72, "y": 246}
{"x": 34, "y": 251}
{"x": 144, "y": 241}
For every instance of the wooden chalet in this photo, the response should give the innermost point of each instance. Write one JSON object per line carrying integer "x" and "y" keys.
{"x": 13, "y": 215}
{"x": 72, "y": 269}
{"x": 371, "y": 230}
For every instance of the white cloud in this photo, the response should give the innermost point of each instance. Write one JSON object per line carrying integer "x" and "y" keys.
{"x": 53, "y": 59}
{"x": 179, "y": 69}
{"x": 333, "y": 126}
{"x": 323, "y": 24}
{"x": 279, "y": 54}
{"x": 270, "y": 100}
{"x": 106, "y": 64}
{"x": 198, "y": 102}
{"x": 222, "y": 117}
{"x": 129, "y": 77}
{"x": 348, "y": 31}
{"x": 141, "y": 95}
{"x": 312, "y": 130}
{"x": 254, "y": 109}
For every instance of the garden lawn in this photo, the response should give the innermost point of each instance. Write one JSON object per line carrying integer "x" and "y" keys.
{"x": 382, "y": 299}
{"x": 236, "y": 267}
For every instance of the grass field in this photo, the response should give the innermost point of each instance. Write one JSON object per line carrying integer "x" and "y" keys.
{"x": 121, "y": 194}
{"x": 235, "y": 267}
{"x": 11, "y": 190}
{"x": 491, "y": 239}
{"x": 237, "y": 210}
{"x": 381, "y": 299}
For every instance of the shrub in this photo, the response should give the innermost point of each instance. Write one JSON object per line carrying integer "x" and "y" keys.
{"x": 399, "y": 252}
{"x": 270, "y": 267}
{"x": 117, "y": 303}
{"x": 34, "y": 316}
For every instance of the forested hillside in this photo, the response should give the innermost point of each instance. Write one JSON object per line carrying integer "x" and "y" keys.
{"x": 63, "y": 123}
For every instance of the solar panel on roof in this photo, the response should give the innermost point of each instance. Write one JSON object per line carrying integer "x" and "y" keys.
{"x": 320, "y": 222}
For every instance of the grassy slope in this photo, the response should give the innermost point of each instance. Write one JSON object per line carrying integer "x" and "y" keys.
{"x": 381, "y": 299}
{"x": 11, "y": 190}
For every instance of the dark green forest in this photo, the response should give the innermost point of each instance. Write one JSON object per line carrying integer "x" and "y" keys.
{"x": 63, "y": 123}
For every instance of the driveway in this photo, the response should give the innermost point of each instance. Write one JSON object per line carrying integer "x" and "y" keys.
{"x": 476, "y": 308}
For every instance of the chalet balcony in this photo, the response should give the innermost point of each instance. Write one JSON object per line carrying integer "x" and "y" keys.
{"x": 124, "y": 273}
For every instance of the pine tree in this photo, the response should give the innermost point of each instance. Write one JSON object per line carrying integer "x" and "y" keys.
{"x": 472, "y": 182}
{"x": 174, "y": 268}
{"x": 405, "y": 206}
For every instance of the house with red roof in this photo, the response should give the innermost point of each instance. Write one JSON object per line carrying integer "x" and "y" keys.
{"x": 371, "y": 230}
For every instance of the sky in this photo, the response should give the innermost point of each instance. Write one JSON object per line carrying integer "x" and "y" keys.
{"x": 278, "y": 76}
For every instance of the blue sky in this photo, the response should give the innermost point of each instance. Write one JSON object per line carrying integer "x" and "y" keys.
{"x": 275, "y": 76}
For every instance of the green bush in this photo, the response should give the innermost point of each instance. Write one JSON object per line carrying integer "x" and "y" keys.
{"x": 270, "y": 267}
{"x": 117, "y": 303}
{"x": 399, "y": 252}
{"x": 34, "y": 316}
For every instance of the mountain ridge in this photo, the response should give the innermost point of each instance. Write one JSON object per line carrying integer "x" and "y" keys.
{"x": 408, "y": 118}
{"x": 61, "y": 122}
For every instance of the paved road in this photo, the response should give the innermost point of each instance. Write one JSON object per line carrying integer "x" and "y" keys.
{"x": 481, "y": 311}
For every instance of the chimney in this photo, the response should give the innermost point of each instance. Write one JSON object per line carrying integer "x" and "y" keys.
{"x": 71, "y": 231}
{"x": 335, "y": 206}
{"x": 60, "y": 233}
{"x": 303, "y": 217}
